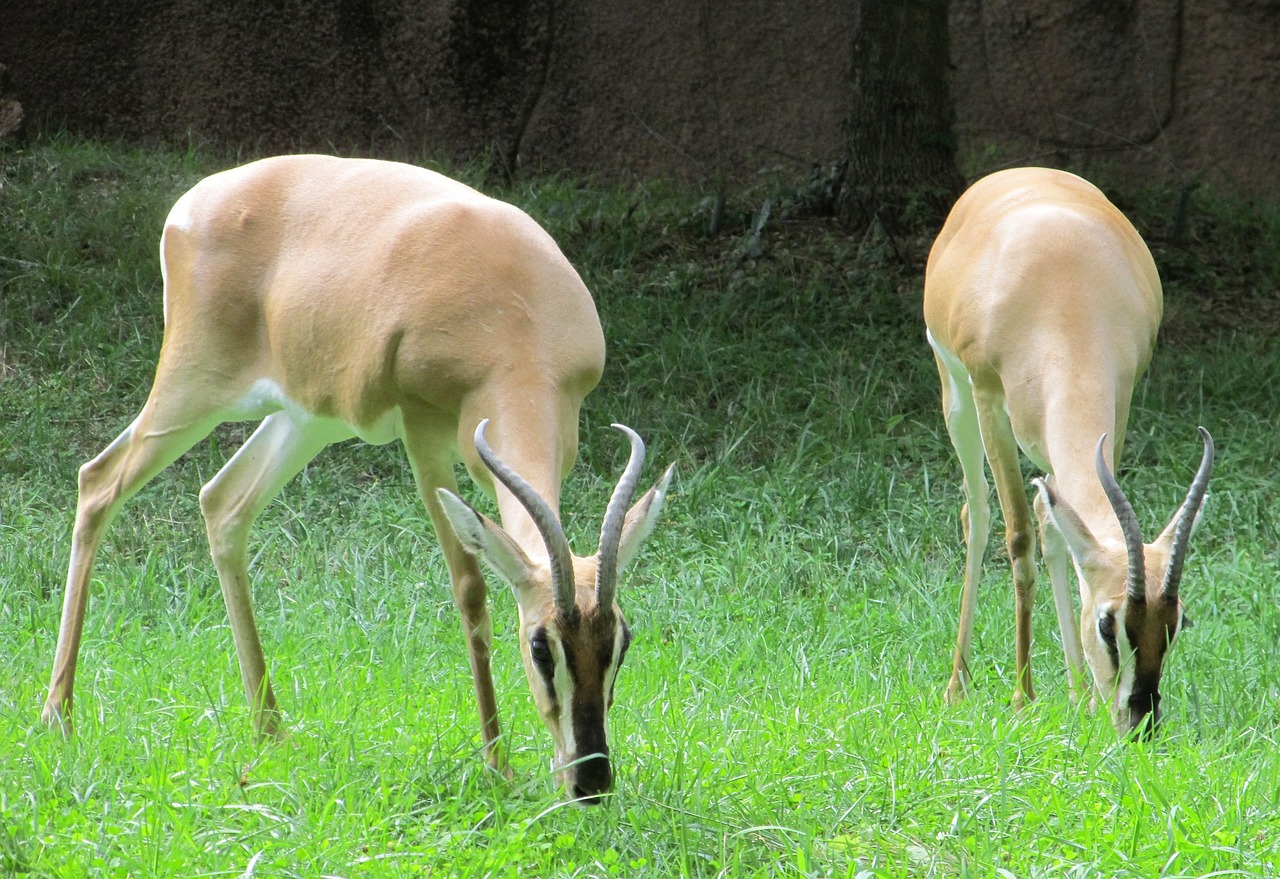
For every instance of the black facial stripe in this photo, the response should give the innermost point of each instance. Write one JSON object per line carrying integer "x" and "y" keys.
{"x": 569, "y": 655}
{"x": 592, "y": 774}
{"x": 588, "y": 727}
{"x": 605, "y": 654}
{"x": 1113, "y": 653}
{"x": 1146, "y": 677}
{"x": 547, "y": 672}
{"x": 589, "y": 701}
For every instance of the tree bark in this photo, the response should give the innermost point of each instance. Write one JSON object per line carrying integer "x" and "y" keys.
{"x": 900, "y": 148}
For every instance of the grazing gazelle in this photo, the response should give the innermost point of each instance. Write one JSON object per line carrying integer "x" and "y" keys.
{"x": 1042, "y": 304}
{"x": 334, "y": 298}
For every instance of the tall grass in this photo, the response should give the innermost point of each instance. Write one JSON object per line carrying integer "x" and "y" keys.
{"x": 781, "y": 711}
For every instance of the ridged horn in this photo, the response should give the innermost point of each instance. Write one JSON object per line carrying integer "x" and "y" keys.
{"x": 1136, "y": 583}
{"x": 615, "y": 516}
{"x": 548, "y": 524}
{"x": 1186, "y": 519}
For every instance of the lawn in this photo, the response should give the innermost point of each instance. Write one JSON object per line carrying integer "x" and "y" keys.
{"x": 780, "y": 712}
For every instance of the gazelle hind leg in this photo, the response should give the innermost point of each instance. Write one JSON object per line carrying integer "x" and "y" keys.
{"x": 961, "y": 416}
{"x": 155, "y": 439}
{"x": 427, "y": 446}
{"x": 230, "y": 502}
{"x": 1054, "y": 549}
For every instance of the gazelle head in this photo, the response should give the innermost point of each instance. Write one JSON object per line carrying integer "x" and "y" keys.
{"x": 572, "y": 635}
{"x": 1130, "y": 610}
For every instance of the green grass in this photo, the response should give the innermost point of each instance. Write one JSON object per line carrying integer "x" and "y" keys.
{"x": 780, "y": 713}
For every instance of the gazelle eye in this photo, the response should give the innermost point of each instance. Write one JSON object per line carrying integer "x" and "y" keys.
{"x": 1107, "y": 627}
{"x": 539, "y": 648}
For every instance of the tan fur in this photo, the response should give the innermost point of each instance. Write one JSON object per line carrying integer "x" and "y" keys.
{"x": 339, "y": 297}
{"x": 1042, "y": 304}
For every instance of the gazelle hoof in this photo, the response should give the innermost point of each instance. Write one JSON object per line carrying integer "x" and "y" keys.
{"x": 55, "y": 718}
{"x": 956, "y": 692}
{"x": 1021, "y": 699}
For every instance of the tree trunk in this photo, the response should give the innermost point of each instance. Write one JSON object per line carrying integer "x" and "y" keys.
{"x": 900, "y": 149}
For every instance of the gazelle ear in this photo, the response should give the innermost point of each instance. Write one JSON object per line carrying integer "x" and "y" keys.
{"x": 1080, "y": 541}
{"x": 641, "y": 519}
{"x": 485, "y": 539}
{"x": 1165, "y": 540}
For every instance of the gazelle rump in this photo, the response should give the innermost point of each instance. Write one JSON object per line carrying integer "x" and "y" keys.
{"x": 1042, "y": 305}
{"x": 335, "y": 298}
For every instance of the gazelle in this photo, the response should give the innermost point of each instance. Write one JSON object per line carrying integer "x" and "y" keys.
{"x": 334, "y": 298}
{"x": 1042, "y": 304}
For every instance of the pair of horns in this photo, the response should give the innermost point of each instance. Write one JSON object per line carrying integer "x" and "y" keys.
{"x": 1136, "y": 585}
{"x": 548, "y": 523}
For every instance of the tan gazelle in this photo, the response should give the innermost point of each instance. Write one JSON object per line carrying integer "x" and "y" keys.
{"x": 1042, "y": 304}
{"x": 334, "y": 298}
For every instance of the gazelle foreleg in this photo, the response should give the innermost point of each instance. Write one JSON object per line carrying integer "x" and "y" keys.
{"x": 230, "y": 502}
{"x": 1054, "y": 549}
{"x": 1002, "y": 455}
{"x": 470, "y": 592}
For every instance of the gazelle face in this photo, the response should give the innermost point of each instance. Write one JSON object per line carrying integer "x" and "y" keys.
{"x": 572, "y": 662}
{"x": 1126, "y": 644}
{"x": 572, "y": 635}
{"x": 1130, "y": 610}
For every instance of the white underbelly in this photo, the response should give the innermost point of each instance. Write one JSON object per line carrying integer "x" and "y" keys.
{"x": 265, "y": 397}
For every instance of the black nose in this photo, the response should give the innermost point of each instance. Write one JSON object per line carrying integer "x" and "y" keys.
{"x": 1144, "y": 715}
{"x": 592, "y": 777}
{"x": 585, "y": 798}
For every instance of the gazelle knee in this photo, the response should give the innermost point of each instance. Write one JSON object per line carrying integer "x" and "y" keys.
{"x": 1021, "y": 543}
{"x": 471, "y": 597}
{"x": 225, "y": 530}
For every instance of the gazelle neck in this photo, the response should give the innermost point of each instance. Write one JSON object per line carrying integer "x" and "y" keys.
{"x": 1071, "y": 461}
{"x": 517, "y": 522}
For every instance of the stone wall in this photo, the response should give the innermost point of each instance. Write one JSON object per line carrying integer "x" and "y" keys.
{"x": 690, "y": 90}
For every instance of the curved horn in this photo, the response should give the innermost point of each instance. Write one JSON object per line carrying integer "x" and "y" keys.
{"x": 1186, "y": 519}
{"x": 1136, "y": 584}
{"x": 615, "y": 516}
{"x": 562, "y": 587}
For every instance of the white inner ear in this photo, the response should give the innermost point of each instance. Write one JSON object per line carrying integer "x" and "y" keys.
{"x": 641, "y": 520}
{"x": 1080, "y": 541}
{"x": 486, "y": 540}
